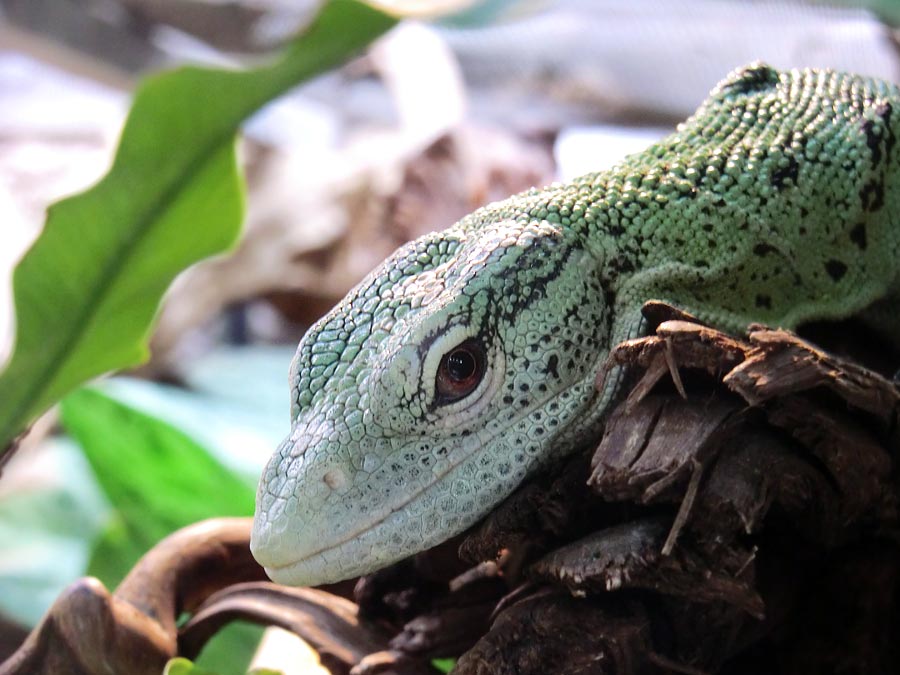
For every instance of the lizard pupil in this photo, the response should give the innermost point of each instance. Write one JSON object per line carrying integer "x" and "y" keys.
{"x": 461, "y": 364}
{"x": 460, "y": 371}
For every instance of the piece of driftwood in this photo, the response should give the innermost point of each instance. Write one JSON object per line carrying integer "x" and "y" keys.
{"x": 327, "y": 622}
{"x": 738, "y": 515}
{"x": 90, "y": 630}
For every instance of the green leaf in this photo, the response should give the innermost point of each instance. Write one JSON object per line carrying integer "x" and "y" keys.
{"x": 444, "y": 665}
{"x": 116, "y": 550}
{"x": 182, "y": 666}
{"x": 231, "y": 649}
{"x": 156, "y": 478}
{"x": 87, "y": 290}
{"x": 49, "y": 513}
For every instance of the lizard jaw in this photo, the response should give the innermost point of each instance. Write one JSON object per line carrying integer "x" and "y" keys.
{"x": 377, "y": 544}
{"x": 320, "y": 548}
{"x": 347, "y": 559}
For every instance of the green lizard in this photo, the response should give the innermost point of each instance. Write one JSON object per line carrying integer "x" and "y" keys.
{"x": 467, "y": 359}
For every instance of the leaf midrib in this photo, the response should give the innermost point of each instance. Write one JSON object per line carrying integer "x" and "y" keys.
{"x": 89, "y": 309}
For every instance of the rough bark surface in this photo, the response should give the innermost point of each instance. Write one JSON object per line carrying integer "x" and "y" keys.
{"x": 739, "y": 515}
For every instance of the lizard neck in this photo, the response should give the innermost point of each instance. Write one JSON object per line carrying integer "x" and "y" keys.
{"x": 614, "y": 215}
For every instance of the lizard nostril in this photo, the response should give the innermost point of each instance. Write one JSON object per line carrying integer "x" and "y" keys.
{"x": 335, "y": 479}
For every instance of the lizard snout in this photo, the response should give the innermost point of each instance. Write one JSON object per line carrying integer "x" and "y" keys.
{"x": 324, "y": 514}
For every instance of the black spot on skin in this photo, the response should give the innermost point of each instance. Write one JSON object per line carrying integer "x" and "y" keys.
{"x": 552, "y": 364}
{"x": 858, "y": 236}
{"x": 884, "y": 111}
{"x": 756, "y": 77}
{"x": 786, "y": 173}
{"x": 707, "y": 227}
{"x": 622, "y": 265}
{"x": 872, "y": 196}
{"x": 764, "y": 302}
{"x": 804, "y": 211}
{"x": 763, "y": 249}
{"x": 836, "y": 269}
{"x": 873, "y": 140}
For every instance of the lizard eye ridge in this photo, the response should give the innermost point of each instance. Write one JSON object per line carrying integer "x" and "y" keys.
{"x": 460, "y": 371}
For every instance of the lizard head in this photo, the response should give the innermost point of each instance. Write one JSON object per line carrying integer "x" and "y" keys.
{"x": 426, "y": 396}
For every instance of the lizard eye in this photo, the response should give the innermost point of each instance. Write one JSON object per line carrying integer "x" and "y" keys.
{"x": 460, "y": 371}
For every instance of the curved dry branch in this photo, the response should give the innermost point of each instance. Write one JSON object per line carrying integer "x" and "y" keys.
{"x": 87, "y": 631}
{"x": 329, "y": 623}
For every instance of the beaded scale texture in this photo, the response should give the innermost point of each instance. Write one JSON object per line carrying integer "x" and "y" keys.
{"x": 776, "y": 202}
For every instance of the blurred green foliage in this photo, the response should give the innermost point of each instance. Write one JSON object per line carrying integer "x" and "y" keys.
{"x": 444, "y": 665}
{"x": 87, "y": 290}
{"x": 157, "y": 479}
{"x": 182, "y": 666}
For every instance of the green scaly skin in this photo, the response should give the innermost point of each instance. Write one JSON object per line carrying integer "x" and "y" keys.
{"x": 776, "y": 202}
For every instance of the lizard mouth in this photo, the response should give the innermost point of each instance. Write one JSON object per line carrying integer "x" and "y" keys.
{"x": 343, "y": 560}
{"x": 412, "y": 524}
{"x": 377, "y": 544}
{"x": 382, "y": 541}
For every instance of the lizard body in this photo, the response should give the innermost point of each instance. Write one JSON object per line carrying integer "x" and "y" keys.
{"x": 467, "y": 359}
